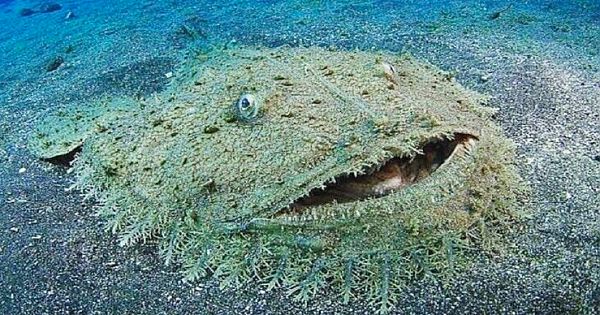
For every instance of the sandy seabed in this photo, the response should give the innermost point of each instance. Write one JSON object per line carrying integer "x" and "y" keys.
{"x": 538, "y": 61}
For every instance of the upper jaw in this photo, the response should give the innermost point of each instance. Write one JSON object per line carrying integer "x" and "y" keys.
{"x": 384, "y": 178}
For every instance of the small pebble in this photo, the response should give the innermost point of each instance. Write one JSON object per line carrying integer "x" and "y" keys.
{"x": 211, "y": 129}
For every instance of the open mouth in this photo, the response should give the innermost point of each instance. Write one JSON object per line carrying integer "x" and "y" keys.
{"x": 66, "y": 159}
{"x": 392, "y": 175}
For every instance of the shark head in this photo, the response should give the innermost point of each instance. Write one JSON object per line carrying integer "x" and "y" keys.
{"x": 300, "y": 167}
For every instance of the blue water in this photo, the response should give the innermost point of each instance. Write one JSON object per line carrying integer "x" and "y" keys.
{"x": 531, "y": 57}
{"x": 108, "y": 34}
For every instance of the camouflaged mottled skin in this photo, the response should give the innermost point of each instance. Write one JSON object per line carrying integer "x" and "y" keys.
{"x": 65, "y": 129}
{"x": 211, "y": 188}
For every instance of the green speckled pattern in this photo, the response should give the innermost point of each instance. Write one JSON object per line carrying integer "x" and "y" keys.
{"x": 65, "y": 130}
{"x": 176, "y": 167}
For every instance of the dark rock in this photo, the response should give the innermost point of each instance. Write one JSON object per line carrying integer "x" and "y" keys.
{"x": 54, "y": 63}
{"x": 50, "y": 7}
{"x": 26, "y": 12}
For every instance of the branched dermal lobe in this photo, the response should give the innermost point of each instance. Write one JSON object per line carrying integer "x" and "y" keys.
{"x": 302, "y": 168}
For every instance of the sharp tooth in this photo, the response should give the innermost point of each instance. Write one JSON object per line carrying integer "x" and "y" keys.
{"x": 470, "y": 143}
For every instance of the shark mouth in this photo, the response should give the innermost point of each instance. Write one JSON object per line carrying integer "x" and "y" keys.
{"x": 392, "y": 175}
{"x": 65, "y": 160}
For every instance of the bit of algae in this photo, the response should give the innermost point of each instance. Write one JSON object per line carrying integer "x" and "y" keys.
{"x": 213, "y": 187}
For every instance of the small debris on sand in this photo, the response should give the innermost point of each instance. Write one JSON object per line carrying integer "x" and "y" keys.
{"x": 497, "y": 14}
{"x": 26, "y": 12}
{"x": 45, "y": 8}
{"x": 50, "y": 7}
{"x": 54, "y": 64}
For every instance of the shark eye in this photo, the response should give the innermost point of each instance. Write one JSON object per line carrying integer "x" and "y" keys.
{"x": 388, "y": 68}
{"x": 246, "y": 107}
{"x": 389, "y": 71}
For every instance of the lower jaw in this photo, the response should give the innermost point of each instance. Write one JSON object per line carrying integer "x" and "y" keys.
{"x": 381, "y": 180}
